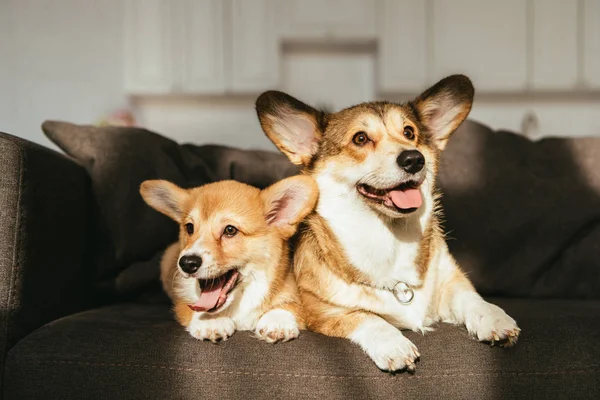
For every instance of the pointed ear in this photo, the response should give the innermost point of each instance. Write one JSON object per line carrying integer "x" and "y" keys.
{"x": 165, "y": 197}
{"x": 288, "y": 201}
{"x": 444, "y": 106}
{"x": 294, "y": 127}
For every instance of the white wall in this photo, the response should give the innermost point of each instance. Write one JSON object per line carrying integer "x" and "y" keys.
{"x": 63, "y": 59}
{"x": 335, "y": 79}
{"x": 59, "y": 59}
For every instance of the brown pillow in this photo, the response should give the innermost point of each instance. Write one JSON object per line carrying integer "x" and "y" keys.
{"x": 523, "y": 217}
{"x": 119, "y": 159}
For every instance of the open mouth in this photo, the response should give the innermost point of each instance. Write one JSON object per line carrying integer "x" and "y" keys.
{"x": 404, "y": 198}
{"x": 214, "y": 291}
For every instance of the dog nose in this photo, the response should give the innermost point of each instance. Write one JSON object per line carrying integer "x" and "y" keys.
{"x": 190, "y": 264}
{"x": 412, "y": 161}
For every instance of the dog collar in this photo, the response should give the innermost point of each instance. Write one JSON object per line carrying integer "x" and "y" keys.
{"x": 403, "y": 293}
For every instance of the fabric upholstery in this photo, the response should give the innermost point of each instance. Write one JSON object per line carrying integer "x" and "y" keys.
{"x": 43, "y": 227}
{"x": 118, "y": 160}
{"x": 138, "y": 351}
{"x": 523, "y": 217}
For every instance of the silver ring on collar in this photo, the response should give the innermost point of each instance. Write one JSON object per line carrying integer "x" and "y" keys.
{"x": 403, "y": 293}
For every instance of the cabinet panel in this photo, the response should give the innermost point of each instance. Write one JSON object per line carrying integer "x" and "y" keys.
{"x": 591, "y": 43}
{"x": 147, "y": 46}
{"x": 484, "y": 39}
{"x": 402, "y": 47}
{"x": 255, "y": 46}
{"x": 335, "y": 20}
{"x": 203, "y": 47}
{"x": 555, "y": 55}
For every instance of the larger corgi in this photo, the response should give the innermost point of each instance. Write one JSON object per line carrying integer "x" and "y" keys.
{"x": 230, "y": 269}
{"x": 372, "y": 260}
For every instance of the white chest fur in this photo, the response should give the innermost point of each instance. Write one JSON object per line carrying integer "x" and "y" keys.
{"x": 382, "y": 249}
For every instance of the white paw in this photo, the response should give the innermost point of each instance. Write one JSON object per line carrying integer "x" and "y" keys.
{"x": 215, "y": 330}
{"x": 489, "y": 323}
{"x": 277, "y": 326}
{"x": 387, "y": 346}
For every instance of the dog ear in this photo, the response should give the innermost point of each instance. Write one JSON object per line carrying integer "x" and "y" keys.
{"x": 294, "y": 127}
{"x": 165, "y": 197}
{"x": 288, "y": 201}
{"x": 444, "y": 106}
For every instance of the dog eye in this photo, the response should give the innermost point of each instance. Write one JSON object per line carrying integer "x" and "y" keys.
{"x": 360, "y": 139}
{"x": 189, "y": 227}
{"x": 409, "y": 133}
{"x": 230, "y": 231}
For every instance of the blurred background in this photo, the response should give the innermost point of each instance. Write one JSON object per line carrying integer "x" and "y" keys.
{"x": 191, "y": 69}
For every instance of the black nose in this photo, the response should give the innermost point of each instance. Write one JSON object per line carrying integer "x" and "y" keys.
{"x": 412, "y": 161}
{"x": 190, "y": 264}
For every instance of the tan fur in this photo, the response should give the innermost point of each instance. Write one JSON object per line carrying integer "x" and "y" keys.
{"x": 258, "y": 247}
{"x": 183, "y": 313}
{"x": 329, "y": 319}
{"x": 345, "y": 299}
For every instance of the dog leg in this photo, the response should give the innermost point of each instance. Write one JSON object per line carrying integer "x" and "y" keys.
{"x": 459, "y": 303}
{"x": 213, "y": 329}
{"x": 385, "y": 344}
{"x": 277, "y": 325}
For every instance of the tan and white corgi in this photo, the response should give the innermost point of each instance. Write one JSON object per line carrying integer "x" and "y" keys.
{"x": 372, "y": 259}
{"x": 231, "y": 268}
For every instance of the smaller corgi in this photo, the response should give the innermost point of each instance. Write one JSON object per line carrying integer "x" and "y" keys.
{"x": 231, "y": 269}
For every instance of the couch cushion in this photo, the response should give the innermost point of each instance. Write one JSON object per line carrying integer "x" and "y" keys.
{"x": 523, "y": 217}
{"x": 118, "y": 160}
{"x": 138, "y": 351}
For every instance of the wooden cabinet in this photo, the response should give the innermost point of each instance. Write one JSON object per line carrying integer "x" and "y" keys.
{"x": 201, "y": 43}
{"x": 591, "y": 44}
{"x": 200, "y": 46}
{"x": 174, "y": 46}
{"x": 554, "y": 53}
{"x": 403, "y": 42}
{"x": 327, "y": 20}
{"x": 211, "y": 47}
{"x": 484, "y": 39}
{"x": 255, "y": 46}
{"x": 148, "y": 57}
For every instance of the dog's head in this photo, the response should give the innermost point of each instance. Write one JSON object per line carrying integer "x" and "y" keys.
{"x": 228, "y": 231}
{"x": 380, "y": 151}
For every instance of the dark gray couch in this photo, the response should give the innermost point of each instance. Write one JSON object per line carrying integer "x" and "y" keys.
{"x": 60, "y": 338}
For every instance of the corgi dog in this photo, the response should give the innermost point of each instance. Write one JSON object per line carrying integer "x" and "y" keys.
{"x": 231, "y": 268}
{"x": 372, "y": 259}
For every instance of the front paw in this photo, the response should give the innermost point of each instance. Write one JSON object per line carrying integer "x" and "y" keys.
{"x": 387, "y": 346}
{"x": 489, "y": 323}
{"x": 277, "y": 326}
{"x": 395, "y": 355}
{"x": 215, "y": 330}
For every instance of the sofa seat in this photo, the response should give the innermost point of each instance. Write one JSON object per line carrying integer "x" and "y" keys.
{"x": 558, "y": 356}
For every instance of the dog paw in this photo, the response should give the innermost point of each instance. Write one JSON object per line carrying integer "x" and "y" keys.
{"x": 395, "y": 355}
{"x": 277, "y": 326}
{"x": 388, "y": 348}
{"x": 215, "y": 330}
{"x": 489, "y": 323}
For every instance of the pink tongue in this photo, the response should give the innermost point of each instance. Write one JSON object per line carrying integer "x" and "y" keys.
{"x": 210, "y": 295}
{"x": 409, "y": 198}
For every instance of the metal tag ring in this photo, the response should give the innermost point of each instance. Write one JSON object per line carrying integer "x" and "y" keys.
{"x": 403, "y": 293}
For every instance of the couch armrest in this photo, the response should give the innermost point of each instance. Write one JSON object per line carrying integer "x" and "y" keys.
{"x": 44, "y": 221}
